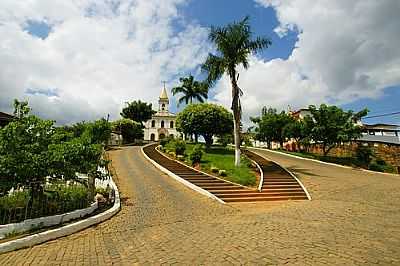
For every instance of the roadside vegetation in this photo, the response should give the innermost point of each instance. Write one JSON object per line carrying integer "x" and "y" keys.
{"x": 41, "y": 165}
{"x": 326, "y": 128}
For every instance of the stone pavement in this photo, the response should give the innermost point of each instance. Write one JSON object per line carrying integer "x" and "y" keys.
{"x": 353, "y": 219}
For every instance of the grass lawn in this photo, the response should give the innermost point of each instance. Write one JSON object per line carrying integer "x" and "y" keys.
{"x": 224, "y": 159}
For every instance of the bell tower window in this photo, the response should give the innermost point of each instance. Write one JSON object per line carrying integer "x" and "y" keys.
{"x": 162, "y": 124}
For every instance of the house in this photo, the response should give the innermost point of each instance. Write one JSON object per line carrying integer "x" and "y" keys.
{"x": 383, "y": 133}
{"x": 163, "y": 122}
{"x": 301, "y": 113}
{"x": 5, "y": 119}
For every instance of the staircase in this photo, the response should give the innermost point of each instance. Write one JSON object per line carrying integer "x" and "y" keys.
{"x": 278, "y": 186}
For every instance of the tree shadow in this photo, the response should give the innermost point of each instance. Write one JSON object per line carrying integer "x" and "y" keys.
{"x": 303, "y": 171}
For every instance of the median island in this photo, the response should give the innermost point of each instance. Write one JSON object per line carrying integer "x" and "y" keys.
{"x": 215, "y": 160}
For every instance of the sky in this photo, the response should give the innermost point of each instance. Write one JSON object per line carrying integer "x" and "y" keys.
{"x": 84, "y": 59}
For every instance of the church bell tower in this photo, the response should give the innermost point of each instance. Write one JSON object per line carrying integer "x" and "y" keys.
{"x": 163, "y": 101}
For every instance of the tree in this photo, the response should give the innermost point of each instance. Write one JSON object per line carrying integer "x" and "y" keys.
{"x": 205, "y": 119}
{"x": 234, "y": 44}
{"x": 271, "y": 126}
{"x": 33, "y": 150}
{"x": 138, "y": 111}
{"x": 129, "y": 129}
{"x": 191, "y": 89}
{"x": 330, "y": 125}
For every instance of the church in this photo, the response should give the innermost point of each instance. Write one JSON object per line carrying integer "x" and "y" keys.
{"x": 163, "y": 123}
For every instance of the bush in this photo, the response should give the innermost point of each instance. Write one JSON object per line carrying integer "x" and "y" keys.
{"x": 196, "y": 154}
{"x": 364, "y": 155}
{"x": 374, "y": 166}
{"x": 177, "y": 146}
{"x": 214, "y": 169}
{"x": 222, "y": 173}
{"x": 181, "y": 158}
{"x": 164, "y": 141}
{"x": 18, "y": 199}
{"x": 225, "y": 139}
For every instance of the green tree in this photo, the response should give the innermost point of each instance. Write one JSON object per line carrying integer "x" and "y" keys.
{"x": 330, "y": 125}
{"x": 129, "y": 129}
{"x": 205, "y": 119}
{"x": 234, "y": 45}
{"x": 191, "y": 89}
{"x": 138, "y": 111}
{"x": 272, "y": 126}
{"x": 33, "y": 150}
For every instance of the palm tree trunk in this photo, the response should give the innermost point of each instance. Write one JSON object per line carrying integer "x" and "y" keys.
{"x": 236, "y": 118}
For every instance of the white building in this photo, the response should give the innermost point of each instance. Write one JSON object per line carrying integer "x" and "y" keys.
{"x": 162, "y": 124}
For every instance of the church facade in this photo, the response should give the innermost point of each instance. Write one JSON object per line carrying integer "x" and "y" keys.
{"x": 163, "y": 123}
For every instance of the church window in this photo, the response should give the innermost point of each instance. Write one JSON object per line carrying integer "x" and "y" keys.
{"x": 162, "y": 124}
{"x": 153, "y": 123}
{"x": 171, "y": 124}
{"x": 163, "y": 106}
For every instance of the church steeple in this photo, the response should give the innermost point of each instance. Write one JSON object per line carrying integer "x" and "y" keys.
{"x": 163, "y": 101}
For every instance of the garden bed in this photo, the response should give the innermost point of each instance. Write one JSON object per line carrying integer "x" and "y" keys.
{"x": 219, "y": 161}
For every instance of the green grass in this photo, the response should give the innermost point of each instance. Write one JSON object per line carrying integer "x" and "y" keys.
{"x": 224, "y": 159}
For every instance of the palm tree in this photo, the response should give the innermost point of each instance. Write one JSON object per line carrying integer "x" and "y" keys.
{"x": 234, "y": 44}
{"x": 191, "y": 89}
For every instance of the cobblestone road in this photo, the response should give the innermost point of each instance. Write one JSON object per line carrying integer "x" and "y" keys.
{"x": 353, "y": 219}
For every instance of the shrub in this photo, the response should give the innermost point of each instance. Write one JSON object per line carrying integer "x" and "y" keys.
{"x": 164, "y": 141}
{"x": 374, "y": 166}
{"x": 364, "y": 155}
{"x": 225, "y": 139}
{"x": 177, "y": 146}
{"x": 214, "y": 169}
{"x": 181, "y": 158}
{"x": 222, "y": 173}
{"x": 196, "y": 154}
{"x": 16, "y": 200}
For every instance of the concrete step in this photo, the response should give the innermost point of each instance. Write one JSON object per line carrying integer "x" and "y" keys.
{"x": 271, "y": 198}
{"x": 259, "y": 194}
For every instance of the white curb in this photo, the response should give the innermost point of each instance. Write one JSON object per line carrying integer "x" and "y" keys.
{"x": 289, "y": 172}
{"x": 322, "y": 162}
{"x": 181, "y": 180}
{"x": 35, "y": 239}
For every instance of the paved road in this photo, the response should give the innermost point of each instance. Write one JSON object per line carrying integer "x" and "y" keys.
{"x": 353, "y": 219}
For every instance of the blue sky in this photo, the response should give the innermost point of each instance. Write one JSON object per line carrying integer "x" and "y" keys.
{"x": 263, "y": 22}
{"x": 83, "y": 61}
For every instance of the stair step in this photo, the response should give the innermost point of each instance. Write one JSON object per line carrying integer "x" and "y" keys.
{"x": 259, "y": 194}
{"x": 272, "y": 198}
{"x": 215, "y": 187}
{"x": 279, "y": 183}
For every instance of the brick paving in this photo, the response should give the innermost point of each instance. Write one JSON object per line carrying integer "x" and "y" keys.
{"x": 353, "y": 219}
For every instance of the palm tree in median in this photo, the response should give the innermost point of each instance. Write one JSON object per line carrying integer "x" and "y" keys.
{"x": 191, "y": 89}
{"x": 234, "y": 44}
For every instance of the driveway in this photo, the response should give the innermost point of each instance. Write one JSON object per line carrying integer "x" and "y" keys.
{"x": 352, "y": 219}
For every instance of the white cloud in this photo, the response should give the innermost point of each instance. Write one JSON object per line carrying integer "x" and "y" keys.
{"x": 346, "y": 49}
{"x": 98, "y": 54}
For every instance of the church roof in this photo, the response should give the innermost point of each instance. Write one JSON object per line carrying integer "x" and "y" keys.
{"x": 164, "y": 94}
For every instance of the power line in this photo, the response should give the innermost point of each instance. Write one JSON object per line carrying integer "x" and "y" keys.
{"x": 388, "y": 114}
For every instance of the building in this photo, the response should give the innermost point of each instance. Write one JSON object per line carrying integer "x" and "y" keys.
{"x": 301, "y": 113}
{"x": 5, "y": 119}
{"x": 383, "y": 133}
{"x": 162, "y": 124}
